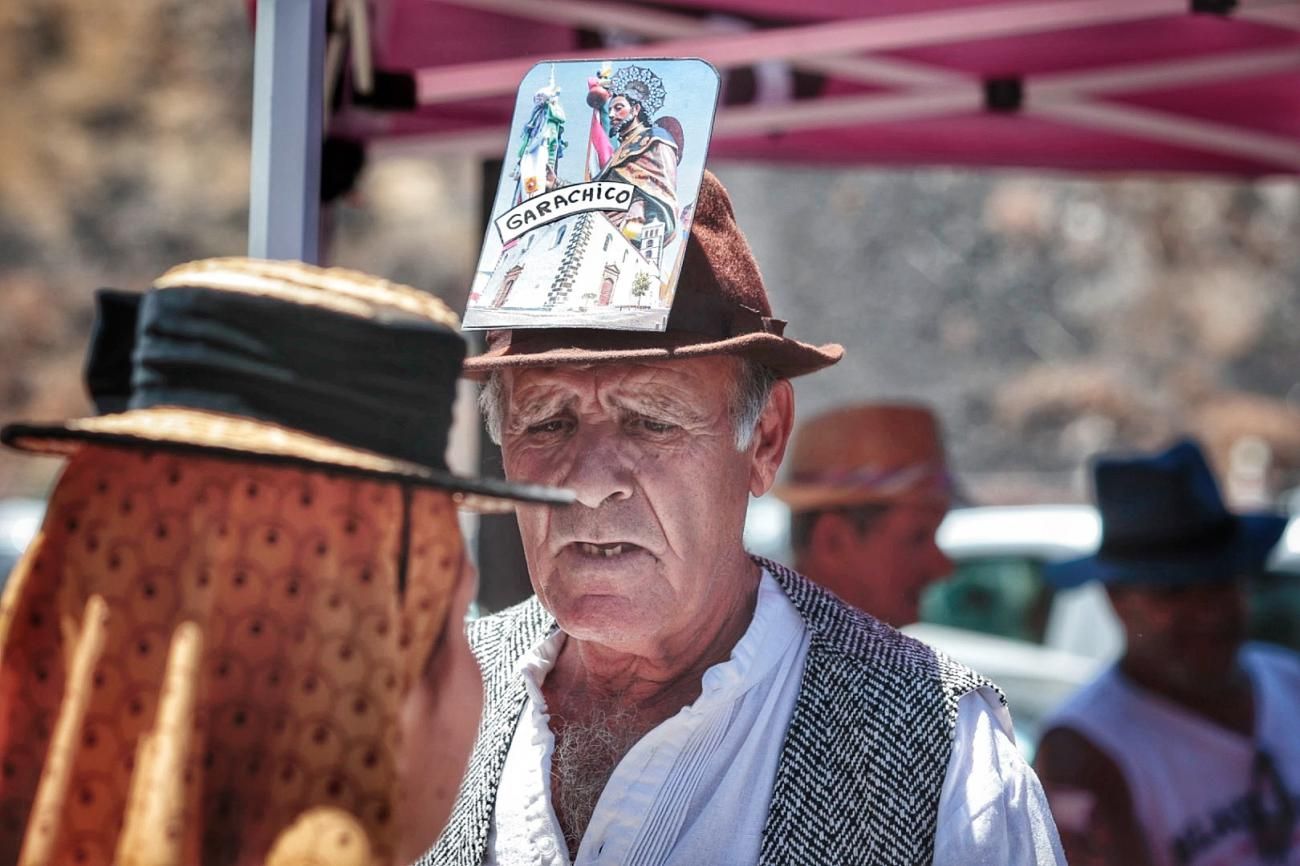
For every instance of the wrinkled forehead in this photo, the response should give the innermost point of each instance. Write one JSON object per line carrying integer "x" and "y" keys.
{"x": 694, "y": 382}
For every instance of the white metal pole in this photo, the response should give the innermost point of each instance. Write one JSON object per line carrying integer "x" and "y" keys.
{"x": 284, "y": 193}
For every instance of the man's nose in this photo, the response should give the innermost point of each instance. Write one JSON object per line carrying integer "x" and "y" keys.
{"x": 600, "y": 470}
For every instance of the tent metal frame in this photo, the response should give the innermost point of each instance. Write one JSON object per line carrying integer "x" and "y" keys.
{"x": 290, "y": 34}
{"x": 929, "y": 91}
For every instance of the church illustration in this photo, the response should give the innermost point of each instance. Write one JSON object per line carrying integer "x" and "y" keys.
{"x": 582, "y": 262}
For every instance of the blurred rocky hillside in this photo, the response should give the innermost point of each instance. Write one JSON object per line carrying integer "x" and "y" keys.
{"x": 1048, "y": 318}
{"x": 1045, "y": 317}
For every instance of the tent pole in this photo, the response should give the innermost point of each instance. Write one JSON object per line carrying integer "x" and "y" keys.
{"x": 284, "y": 189}
{"x": 503, "y": 571}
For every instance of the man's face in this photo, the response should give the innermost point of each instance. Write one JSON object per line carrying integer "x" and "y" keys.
{"x": 884, "y": 568}
{"x": 644, "y": 556}
{"x": 621, "y": 111}
{"x": 1189, "y": 634}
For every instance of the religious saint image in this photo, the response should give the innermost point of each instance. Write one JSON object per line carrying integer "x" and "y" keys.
{"x": 591, "y": 216}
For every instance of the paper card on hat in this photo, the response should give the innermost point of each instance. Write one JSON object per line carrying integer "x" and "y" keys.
{"x": 590, "y": 221}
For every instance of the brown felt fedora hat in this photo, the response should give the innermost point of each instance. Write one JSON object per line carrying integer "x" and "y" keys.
{"x": 283, "y": 363}
{"x": 879, "y": 453}
{"x": 720, "y": 308}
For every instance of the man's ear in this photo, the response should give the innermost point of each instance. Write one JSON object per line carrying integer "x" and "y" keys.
{"x": 771, "y": 436}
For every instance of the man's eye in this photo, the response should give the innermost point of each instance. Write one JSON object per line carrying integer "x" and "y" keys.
{"x": 650, "y": 425}
{"x": 554, "y": 425}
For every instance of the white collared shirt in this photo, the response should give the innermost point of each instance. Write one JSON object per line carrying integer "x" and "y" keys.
{"x": 696, "y": 788}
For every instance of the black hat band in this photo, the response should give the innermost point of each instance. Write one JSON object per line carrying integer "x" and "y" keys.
{"x": 384, "y": 387}
{"x": 112, "y": 344}
{"x": 1195, "y": 541}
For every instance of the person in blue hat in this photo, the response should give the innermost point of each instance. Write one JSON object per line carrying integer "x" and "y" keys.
{"x": 1185, "y": 752}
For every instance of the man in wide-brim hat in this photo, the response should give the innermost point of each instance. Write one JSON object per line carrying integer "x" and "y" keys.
{"x": 237, "y": 638}
{"x": 667, "y": 698}
{"x": 867, "y": 488}
{"x": 1184, "y": 751}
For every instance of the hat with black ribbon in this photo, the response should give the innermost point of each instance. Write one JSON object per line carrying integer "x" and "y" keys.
{"x": 1164, "y": 523}
{"x": 280, "y": 362}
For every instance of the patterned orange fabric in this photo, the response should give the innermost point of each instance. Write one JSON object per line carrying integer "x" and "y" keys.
{"x": 197, "y": 651}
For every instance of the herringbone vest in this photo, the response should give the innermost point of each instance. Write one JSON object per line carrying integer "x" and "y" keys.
{"x": 864, "y": 757}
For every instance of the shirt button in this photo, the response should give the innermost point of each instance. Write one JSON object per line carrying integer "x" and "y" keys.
{"x": 548, "y": 846}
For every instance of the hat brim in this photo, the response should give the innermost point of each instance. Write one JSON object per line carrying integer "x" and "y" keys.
{"x": 173, "y": 428}
{"x": 537, "y": 347}
{"x": 1246, "y": 552}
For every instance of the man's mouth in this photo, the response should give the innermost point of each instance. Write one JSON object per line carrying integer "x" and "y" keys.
{"x": 605, "y": 550}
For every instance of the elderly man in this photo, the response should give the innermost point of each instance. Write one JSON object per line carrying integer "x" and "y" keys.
{"x": 666, "y": 698}
{"x": 868, "y": 487}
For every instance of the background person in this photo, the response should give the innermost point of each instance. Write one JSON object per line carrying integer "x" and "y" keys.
{"x": 867, "y": 488}
{"x": 237, "y": 638}
{"x": 1185, "y": 752}
{"x": 667, "y": 698}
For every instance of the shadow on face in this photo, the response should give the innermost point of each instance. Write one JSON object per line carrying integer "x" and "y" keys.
{"x": 438, "y": 721}
{"x": 1187, "y": 635}
{"x": 878, "y": 558}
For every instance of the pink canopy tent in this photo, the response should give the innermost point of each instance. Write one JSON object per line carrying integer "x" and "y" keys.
{"x": 1206, "y": 86}
{"x": 1094, "y": 85}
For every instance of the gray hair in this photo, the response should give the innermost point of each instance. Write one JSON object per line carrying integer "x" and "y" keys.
{"x": 750, "y": 390}
{"x": 749, "y": 395}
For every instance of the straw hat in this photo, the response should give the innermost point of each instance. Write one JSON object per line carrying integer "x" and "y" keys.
{"x": 720, "y": 308}
{"x": 286, "y": 363}
{"x": 859, "y": 455}
{"x": 1164, "y": 523}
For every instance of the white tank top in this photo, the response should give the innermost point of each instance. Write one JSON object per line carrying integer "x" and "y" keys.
{"x": 1194, "y": 784}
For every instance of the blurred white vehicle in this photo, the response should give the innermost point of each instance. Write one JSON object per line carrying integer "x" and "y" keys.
{"x": 997, "y": 614}
{"x": 19, "y": 521}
